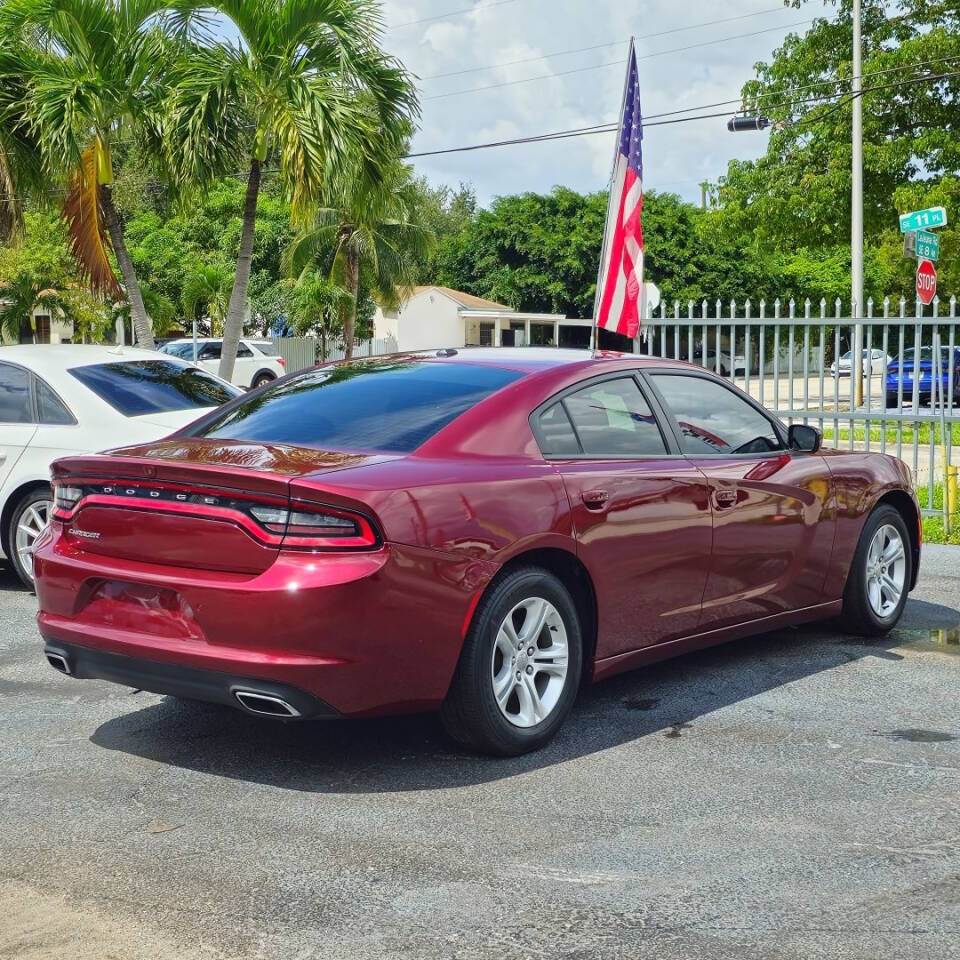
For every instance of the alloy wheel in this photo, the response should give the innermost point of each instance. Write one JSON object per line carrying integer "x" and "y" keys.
{"x": 529, "y": 664}
{"x": 886, "y": 570}
{"x": 30, "y": 525}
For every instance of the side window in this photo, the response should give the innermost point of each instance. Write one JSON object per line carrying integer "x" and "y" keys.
{"x": 209, "y": 351}
{"x": 15, "y": 404}
{"x": 713, "y": 419}
{"x": 243, "y": 350}
{"x": 50, "y": 408}
{"x": 611, "y": 418}
{"x": 556, "y": 432}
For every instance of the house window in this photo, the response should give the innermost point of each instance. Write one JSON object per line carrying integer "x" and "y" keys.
{"x": 486, "y": 334}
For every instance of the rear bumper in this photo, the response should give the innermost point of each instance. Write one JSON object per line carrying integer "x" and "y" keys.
{"x": 362, "y": 634}
{"x": 191, "y": 683}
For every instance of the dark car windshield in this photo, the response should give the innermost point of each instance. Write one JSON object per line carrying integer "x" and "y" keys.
{"x": 393, "y": 405}
{"x": 136, "y": 387}
{"x": 926, "y": 354}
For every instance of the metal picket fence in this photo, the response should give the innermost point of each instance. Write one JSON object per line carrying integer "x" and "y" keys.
{"x": 793, "y": 365}
{"x": 302, "y": 352}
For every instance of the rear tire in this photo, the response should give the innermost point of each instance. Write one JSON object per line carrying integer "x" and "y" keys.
{"x": 30, "y": 515}
{"x": 880, "y": 575}
{"x": 261, "y": 380}
{"x": 504, "y": 699}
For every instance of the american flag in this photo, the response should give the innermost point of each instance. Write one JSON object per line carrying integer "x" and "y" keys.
{"x": 620, "y": 289}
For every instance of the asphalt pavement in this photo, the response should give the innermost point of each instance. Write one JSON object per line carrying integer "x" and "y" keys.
{"x": 795, "y": 795}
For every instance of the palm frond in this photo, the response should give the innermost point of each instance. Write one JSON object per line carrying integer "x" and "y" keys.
{"x": 86, "y": 226}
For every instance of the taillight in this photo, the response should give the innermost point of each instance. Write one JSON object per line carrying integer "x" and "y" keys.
{"x": 282, "y": 362}
{"x": 316, "y": 527}
{"x": 65, "y": 498}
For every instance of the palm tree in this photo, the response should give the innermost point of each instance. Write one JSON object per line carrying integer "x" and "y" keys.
{"x": 307, "y": 88}
{"x": 20, "y": 167}
{"x": 317, "y": 305}
{"x": 371, "y": 225}
{"x": 208, "y": 287}
{"x": 98, "y": 71}
{"x": 19, "y": 298}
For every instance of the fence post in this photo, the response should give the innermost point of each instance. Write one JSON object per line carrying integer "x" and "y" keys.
{"x": 776, "y": 354}
{"x": 746, "y": 344}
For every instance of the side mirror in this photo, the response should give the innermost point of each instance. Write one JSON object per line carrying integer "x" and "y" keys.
{"x": 804, "y": 438}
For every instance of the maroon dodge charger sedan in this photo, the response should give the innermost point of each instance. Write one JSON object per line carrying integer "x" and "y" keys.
{"x": 478, "y": 532}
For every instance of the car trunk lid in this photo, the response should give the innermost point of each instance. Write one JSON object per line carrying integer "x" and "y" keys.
{"x": 186, "y": 502}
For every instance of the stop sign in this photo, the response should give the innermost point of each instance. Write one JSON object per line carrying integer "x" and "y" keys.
{"x": 926, "y": 282}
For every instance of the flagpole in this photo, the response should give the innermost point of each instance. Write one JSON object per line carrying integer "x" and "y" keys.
{"x": 613, "y": 169}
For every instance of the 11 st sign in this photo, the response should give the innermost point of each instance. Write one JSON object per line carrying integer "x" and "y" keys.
{"x": 924, "y": 219}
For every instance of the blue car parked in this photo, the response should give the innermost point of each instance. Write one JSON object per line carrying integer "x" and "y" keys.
{"x": 901, "y": 370}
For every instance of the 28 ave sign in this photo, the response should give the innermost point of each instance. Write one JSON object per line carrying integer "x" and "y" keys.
{"x": 926, "y": 282}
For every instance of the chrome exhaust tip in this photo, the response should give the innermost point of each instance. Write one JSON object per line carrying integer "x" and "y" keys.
{"x": 265, "y": 704}
{"x": 58, "y": 661}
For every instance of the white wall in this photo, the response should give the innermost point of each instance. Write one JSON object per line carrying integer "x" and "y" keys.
{"x": 427, "y": 321}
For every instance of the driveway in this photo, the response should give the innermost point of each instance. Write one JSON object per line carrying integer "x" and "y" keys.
{"x": 795, "y": 795}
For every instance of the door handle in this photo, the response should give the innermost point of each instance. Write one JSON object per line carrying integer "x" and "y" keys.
{"x": 3, "y": 459}
{"x": 725, "y": 498}
{"x": 595, "y": 499}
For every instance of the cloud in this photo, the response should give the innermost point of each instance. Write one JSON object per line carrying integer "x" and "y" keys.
{"x": 574, "y": 90}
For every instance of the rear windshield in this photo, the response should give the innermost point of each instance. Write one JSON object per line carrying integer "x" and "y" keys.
{"x": 137, "y": 387}
{"x": 393, "y": 405}
{"x": 182, "y": 350}
{"x": 265, "y": 346}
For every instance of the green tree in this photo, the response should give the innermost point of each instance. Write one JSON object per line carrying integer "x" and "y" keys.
{"x": 798, "y": 194}
{"x": 317, "y": 306}
{"x": 312, "y": 91}
{"x": 20, "y": 164}
{"x": 371, "y": 225}
{"x": 20, "y": 296}
{"x": 100, "y": 67}
{"x": 206, "y": 290}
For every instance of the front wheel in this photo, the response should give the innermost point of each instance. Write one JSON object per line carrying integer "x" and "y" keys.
{"x": 29, "y": 517}
{"x": 880, "y": 575}
{"x": 520, "y": 666}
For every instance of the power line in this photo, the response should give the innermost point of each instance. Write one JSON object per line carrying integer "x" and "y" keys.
{"x": 614, "y": 63}
{"x": 600, "y": 46}
{"x": 652, "y": 120}
{"x": 450, "y": 13}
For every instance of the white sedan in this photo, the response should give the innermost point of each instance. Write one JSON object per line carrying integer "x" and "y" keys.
{"x": 71, "y": 398}
{"x": 874, "y": 361}
{"x": 257, "y": 362}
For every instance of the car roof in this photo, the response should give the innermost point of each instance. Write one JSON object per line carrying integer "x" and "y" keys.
{"x": 531, "y": 360}
{"x": 48, "y": 358}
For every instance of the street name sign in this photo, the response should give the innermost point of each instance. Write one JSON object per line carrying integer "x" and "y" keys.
{"x": 924, "y": 219}
{"x": 926, "y": 282}
{"x": 928, "y": 245}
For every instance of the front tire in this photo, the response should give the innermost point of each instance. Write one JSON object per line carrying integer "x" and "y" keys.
{"x": 880, "y": 575}
{"x": 520, "y": 666}
{"x": 30, "y": 515}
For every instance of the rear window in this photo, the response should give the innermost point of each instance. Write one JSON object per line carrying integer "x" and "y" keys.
{"x": 137, "y": 387}
{"x": 393, "y": 406}
{"x": 265, "y": 346}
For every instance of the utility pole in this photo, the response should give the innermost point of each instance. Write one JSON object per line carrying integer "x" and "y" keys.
{"x": 856, "y": 208}
{"x": 703, "y": 195}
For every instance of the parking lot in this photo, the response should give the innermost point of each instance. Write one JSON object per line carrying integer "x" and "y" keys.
{"x": 795, "y": 795}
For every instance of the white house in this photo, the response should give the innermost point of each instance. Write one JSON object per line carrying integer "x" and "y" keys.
{"x": 433, "y": 317}
{"x": 47, "y": 328}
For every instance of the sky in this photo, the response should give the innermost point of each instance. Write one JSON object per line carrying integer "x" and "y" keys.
{"x": 574, "y": 90}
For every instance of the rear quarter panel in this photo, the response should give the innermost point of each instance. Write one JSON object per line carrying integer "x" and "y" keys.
{"x": 861, "y": 480}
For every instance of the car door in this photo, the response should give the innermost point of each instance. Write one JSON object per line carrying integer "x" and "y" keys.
{"x": 209, "y": 356}
{"x": 641, "y": 512}
{"x": 17, "y": 422}
{"x": 773, "y": 520}
{"x": 243, "y": 369}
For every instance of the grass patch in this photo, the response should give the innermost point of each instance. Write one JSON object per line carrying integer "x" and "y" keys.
{"x": 877, "y": 432}
{"x": 933, "y": 529}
